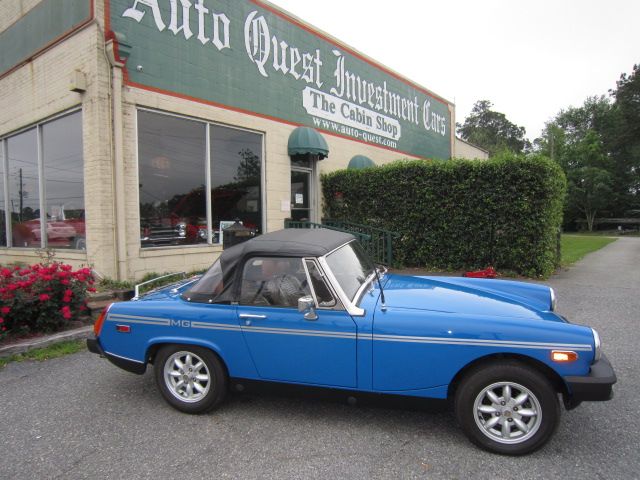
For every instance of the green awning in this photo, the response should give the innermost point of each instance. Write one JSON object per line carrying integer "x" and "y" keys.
{"x": 360, "y": 161}
{"x": 307, "y": 141}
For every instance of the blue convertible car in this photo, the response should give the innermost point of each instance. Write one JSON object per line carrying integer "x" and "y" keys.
{"x": 308, "y": 307}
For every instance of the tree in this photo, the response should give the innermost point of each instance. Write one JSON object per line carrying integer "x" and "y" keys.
{"x": 492, "y": 130}
{"x": 578, "y": 139}
{"x": 625, "y": 139}
{"x": 589, "y": 191}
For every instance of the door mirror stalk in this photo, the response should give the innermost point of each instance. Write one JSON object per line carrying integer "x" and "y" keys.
{"x": 307, "y": 304}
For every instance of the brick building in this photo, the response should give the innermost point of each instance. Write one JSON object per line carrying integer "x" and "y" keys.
{"x": 132, "y": 131}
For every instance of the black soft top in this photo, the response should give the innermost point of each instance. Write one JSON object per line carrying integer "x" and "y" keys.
{"x": 291, "y": 242}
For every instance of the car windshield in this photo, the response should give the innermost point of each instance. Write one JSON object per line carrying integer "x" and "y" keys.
{"x": 351, "y": 266}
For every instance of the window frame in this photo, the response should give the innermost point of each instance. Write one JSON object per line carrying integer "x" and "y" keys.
{"x": 207, "y": 159}
{"x": 338, "y": 304}
{"x": 263, "y": 257}
{"x": 4, "y": 157}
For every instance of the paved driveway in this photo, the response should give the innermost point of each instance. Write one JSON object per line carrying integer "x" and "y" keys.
{"x": 80, "y": 417}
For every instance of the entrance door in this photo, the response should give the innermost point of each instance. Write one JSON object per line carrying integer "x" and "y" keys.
{"x": 301, "y": 190}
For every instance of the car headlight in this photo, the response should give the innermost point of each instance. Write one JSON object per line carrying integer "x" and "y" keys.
{"x": 554, "y": 299}
{"x": 596, "y": 342}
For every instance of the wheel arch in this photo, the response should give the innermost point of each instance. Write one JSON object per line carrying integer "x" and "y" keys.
{"x": 554, "y": 378}
{"x": 156, "y": 344}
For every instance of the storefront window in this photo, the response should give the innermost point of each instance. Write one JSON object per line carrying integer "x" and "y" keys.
{"x": 59, "y": 142}
{"x": 236, "y": 160}
{"x": 64, "y": 182}
{"x": 24, "y": 194}
{"x": 172, "y": 154}
{"x": 172, "y": 160}
{"x": 3, "y": 208}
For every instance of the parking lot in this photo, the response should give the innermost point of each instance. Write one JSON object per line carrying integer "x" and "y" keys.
{"x": 80, "y": 417}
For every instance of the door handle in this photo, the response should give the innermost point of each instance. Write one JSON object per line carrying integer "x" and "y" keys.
{"x": 251, "y": 315}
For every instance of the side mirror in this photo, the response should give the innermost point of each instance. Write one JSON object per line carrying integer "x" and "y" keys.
{"x": 306, "y": 304}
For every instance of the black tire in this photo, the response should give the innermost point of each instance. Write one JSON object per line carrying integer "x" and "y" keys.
{"x": 482, "y": 382}
{"x": 196, "y": 395}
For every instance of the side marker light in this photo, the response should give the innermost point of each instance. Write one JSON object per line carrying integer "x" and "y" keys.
{"x": 561, "y": 356}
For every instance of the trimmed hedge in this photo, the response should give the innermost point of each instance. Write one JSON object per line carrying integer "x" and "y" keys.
{"x": 459, "y": 214}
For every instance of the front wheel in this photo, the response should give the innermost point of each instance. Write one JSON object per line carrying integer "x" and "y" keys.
{"x": 507, "y": 408}
{"x": 190, "y": 378}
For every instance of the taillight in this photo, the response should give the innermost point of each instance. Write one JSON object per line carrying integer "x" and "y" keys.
{"x": 97, "y": 327}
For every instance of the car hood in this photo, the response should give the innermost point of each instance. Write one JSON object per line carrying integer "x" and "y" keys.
{"x": 495, "y": 298}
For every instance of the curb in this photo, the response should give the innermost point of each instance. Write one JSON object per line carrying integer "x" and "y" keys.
{"x": 17, "y": 348}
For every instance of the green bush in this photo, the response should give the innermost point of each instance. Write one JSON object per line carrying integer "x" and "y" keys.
{"x": 459, "y": 214}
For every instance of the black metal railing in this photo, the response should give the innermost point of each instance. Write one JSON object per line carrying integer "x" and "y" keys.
{"x": 378, "y": 243}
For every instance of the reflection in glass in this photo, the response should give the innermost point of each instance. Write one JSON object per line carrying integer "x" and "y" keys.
{"x": 351, "y": 267}
{"x": 171, "y": 161}
{"x": 300, "y": 208}
{"x": 3, "y": 224}
{"x": 24, "y": 195}
{"x": 63, "y": 173}
{"x": 236, "y": 162}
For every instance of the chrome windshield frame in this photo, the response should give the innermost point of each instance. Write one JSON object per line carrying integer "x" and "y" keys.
{"x": 351, "y": 305}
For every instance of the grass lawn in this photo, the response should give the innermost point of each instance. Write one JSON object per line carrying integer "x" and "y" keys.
{"x": 45, "y": 353}
{"x": 574, "y": 247}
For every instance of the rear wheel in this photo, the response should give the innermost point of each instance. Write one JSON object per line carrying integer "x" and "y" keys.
{"x": 190, "y": 378}
{"x": 507, "y": 408}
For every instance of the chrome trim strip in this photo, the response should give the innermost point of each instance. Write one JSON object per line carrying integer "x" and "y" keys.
{"x": 124, "y": 358}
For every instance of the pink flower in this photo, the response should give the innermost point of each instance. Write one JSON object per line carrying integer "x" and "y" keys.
{"x": 66, "y": 312}
{"x": 5, "y": 310}
{"x": 66, "y": 268}
{"x": 91, "y": 289}
{"x": 64, "y": 281}
{"x": 1, "y": 321}
{"x": 68, "y": 293}
{"x": 5, "y": 272}
{"x": 43, "y": 297}
{"x": 66, "y": 299}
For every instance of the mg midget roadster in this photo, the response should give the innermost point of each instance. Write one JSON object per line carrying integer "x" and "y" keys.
{"x": 308, "y": 307}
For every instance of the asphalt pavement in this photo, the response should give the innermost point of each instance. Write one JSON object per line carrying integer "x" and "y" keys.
{"x": 80, "y": 417}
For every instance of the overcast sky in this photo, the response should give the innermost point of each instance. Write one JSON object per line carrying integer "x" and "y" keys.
{"x": 530, "y": 59}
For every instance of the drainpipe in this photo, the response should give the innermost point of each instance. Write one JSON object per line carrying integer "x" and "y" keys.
{"x": 114, "y": 49}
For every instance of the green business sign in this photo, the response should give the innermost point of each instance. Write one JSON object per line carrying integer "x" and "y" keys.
{"x": 246, "y": 55}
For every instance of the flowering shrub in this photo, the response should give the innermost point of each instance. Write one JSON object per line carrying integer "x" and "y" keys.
{"x": 42, "y": 297}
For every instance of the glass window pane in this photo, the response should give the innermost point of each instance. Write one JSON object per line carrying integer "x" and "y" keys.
{"x": 273, "y": 281}
{"x": 351, "y": 267}
{"x": 24, "y": 196}
{"x": 3, "y": 224}
{"x": 300, "y": 183}
{"x": 64, "y": 182}
{"x": 320, "y": 287}
{"x": 236, "y": 166}
{"x": 171, "y": 157}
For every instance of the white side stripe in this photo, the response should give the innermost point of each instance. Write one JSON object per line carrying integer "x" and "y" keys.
{"x": 482, "y": 343}
{"x": 348, "y": 335}
{"x": 116, "y": 317}
{"x": 305, "y": 333}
